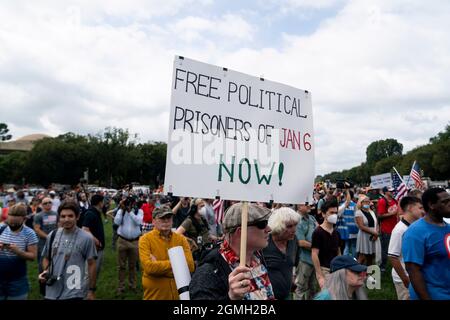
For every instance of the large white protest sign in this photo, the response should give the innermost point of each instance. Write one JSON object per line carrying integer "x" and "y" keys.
{"x": 381, "y": 180}
{"x": 237, "y": 136}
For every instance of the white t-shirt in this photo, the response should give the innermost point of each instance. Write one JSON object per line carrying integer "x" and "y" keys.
{"x": 395, "y": 246}
{"x": 55, "y": 204}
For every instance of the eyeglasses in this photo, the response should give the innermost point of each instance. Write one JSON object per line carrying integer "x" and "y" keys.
{"x": 45, "y": 203}
{"x": 262, "y": 224}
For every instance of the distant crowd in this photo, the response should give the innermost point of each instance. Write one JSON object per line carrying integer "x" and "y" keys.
{"x": 318, "y": 250}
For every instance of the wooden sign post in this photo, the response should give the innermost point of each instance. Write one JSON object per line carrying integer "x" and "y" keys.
{"x": 244, "y": 221}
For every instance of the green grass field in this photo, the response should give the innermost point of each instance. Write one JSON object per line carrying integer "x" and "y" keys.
{"x": 107, "y": 284}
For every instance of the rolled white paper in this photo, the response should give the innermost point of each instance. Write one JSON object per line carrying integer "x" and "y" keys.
{"x": 180, "y": 270}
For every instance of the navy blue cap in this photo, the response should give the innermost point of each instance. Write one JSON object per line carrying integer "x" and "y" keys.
{"x": 346, "y": 262}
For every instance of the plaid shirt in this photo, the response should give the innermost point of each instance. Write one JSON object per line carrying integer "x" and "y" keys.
{"x": 146, "y": 227}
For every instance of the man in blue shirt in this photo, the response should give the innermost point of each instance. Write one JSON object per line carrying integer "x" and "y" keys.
{"x": 426, "y": 249}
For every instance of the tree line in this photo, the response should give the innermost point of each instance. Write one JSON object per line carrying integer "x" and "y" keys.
{"x": 382, "y": 155}
{"x": 111, "y": 158}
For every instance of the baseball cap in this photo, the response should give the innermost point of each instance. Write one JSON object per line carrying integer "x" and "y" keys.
{"x": 346, "y": 262}
{"x": 233, "y": 215}
{"x": 386, "y": 189}
{"x": 162, "y": 212}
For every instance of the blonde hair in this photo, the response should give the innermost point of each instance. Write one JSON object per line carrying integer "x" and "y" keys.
{"x": 196, "y": 201}
{"x": 281, "y": 216}
{"x": 361, "y": 199}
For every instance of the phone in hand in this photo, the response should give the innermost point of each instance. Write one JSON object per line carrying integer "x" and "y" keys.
{"x": 6, "y": 245}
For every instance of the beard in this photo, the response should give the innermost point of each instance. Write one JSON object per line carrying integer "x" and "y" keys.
{"x": 15, "y": 226}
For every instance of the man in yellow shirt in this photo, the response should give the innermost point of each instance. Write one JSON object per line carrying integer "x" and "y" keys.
{"x": 158, "y": 281}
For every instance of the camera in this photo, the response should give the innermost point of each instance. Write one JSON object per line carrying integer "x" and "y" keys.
{"x": 130, "y": 202}
{"x": 344, "y": 184}
{"x": 50, "y": 279}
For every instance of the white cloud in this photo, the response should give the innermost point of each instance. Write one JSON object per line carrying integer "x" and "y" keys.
{"x": 223, "y": 29}
{"x": 316, "y": 4}
{"x": 376, "y": 70}
{"x": 366, "y": 68}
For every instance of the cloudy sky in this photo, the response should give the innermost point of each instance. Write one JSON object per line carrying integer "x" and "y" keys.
{"x": 376, "y": 69}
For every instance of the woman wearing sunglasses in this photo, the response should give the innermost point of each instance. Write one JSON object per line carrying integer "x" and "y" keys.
{"x": 219, "y": 276}
{"x": 346, "y": 281}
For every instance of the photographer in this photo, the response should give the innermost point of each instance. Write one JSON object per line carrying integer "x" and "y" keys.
{"x": 129, "y": 219}
{"x": 196, "y": 230}
{"x": 64, "y": 258}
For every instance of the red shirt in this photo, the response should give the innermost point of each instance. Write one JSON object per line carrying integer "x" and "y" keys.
{"x": 4, "y": 214}
{"x": 148, "y": 210}
{"x": 387, "y": 224}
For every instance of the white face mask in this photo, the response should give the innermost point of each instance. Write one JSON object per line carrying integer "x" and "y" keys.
{"x": 202, "y": 211}
{"x": 332, "y": 219}
{"x": 366, "y": 206}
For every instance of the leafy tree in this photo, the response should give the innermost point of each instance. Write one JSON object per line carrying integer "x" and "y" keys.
{"x": 382, "y": 149}
{"x": 442, "y": 136}
{"x": 382, "y": 155}
{"x": 441, "y": 159}
{"x": 111, "y": 157}
{"x": 386, "y": 164}
{"x": 4, "y": 136}
{"x": 62, "y": 159}
{"x": 12, "y": 167}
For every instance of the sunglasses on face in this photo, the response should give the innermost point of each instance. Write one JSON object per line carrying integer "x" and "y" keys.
{"x": 262, "y": 224}
{"x": 44, "y": 203}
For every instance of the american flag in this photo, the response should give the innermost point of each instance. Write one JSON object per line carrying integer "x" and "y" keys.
{"x": 415, "y": 175}
{"x": 399, "y": 186}
{"x": 218, "y": 210}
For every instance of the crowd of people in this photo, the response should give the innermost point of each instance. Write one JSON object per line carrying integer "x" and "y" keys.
{"x": 319, "y": 250}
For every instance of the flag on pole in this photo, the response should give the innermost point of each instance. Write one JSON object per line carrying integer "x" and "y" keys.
{"x": 399, "y": 186}
{"x": 415, "y": 175}
{"x": 218, "y": 210}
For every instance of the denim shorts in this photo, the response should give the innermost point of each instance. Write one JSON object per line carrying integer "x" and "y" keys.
{"x": 14, "y": 288}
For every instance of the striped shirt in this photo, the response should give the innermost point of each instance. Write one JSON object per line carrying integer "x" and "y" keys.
{"x": 11, "y": 265}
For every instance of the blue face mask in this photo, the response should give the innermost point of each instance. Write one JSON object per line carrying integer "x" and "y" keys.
{"x": 366, "y": 206}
